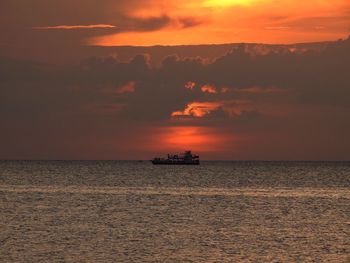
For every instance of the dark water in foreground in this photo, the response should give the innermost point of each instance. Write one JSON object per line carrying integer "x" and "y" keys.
{"x": 136, "y": 212}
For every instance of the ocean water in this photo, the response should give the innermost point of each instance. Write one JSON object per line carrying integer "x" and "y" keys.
{"x": 113, "y": 211}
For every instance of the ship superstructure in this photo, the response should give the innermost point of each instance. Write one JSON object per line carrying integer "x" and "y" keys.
{"x": 187, "y": 158}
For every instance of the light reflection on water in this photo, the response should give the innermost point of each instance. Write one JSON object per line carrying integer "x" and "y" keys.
{"x": 136, "y": 212}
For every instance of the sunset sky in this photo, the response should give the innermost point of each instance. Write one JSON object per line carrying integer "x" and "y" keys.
{"x": 227, "y": 21}
{"x": 93, "y": 79}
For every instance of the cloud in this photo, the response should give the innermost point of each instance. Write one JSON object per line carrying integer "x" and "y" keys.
{"x": 259, "y": 90}
{"x": 34, "y": 28}
{"x": 312, "y": 23}
{"x": 102, "y": 104}
{"x": 277, "y": 27}
{"x": 139, "y": 29}
{"x": 197, "y": 109}
{"x": 190, "y": 85}
{"x": 75, "y": 26}
{"x": 186, "y": 22}
{"x": 209, "y": 89}
{"x": 127, "y": 88}
{"x": 129, "y": 24}
{"x": 144, "y": 23}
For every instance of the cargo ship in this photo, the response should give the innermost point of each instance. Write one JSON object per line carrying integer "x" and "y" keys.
{"x": 187, "y": 158}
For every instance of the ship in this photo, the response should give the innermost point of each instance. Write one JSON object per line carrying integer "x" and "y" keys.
{"x": 187, "y": 158}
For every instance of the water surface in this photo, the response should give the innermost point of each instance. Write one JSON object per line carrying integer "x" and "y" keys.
{"x": 108, "y": 211}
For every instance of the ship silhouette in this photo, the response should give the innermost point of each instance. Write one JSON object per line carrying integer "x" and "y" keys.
{"x": 187, "y": 158}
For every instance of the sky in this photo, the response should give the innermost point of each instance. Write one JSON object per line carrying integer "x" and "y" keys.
{"x": 228, "y": 79}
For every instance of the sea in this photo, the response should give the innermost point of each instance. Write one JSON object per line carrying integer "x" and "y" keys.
{"x": 133, "y": 211}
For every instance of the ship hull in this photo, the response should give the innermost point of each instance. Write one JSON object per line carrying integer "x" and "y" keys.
{"x": 165, "y": 162}
{"x": 186, "y": 158}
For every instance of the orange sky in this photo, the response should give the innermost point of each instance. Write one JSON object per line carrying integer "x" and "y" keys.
{"x": 225, "y": 21}
{"x": 66, "y": 95}
{"x": 202, "y": 139}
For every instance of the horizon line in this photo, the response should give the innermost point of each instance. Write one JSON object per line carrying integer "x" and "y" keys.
{"x": 146, "y": 160}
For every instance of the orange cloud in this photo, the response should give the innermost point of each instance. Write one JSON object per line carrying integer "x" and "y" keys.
{"x": 225, "y": 90}
{"x": 127, "y": 88}
{"x": 75, "y": 27}
{"x": 190, "y": 85}
{"x": 197, "y": 109}
{"x": 209, "y": 89}
{"x": 260, "y": 90}
{"x": 277, "y": 27}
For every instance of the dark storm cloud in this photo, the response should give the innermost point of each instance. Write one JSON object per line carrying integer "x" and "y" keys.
{"x": 315, "y": 77}
{"x": 95, "y": 97}
{"x": 318, "y": 76}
